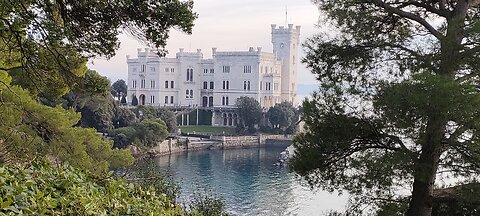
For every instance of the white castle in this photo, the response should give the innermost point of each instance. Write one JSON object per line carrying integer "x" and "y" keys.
{"x": 189, "y": 80}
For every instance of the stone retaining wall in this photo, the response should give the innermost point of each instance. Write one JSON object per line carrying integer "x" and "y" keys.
{"x": 220, "y": 142}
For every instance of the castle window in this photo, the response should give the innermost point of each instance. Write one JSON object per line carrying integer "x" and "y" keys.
{"x": 247, "y": 69}
{"x": 166, "y": 84}
{"x": 166, "y": 99}
{"x": 134, "y": 83}
{"x": 186, "y": 93}
{"x": 191, "y": 93}
{"x": 226, "y": 69}
{"x": 190, "y": 75}
{"x": 152, "y": 84}
{"x": 167, "y": 70}
{"x": 210, "y": 101}
{"x": 205, "y": 71}
{"x": 246, "y": 85}
{"x": 171, "y": 99}
{"x": 212, "y": 85}
{"x": 172, "y": 70}
{"x": 142, "y": 84}
{"x": 212, "y": 70}
{"x": 152, "y": 99}
{"x": 224, "y": 101}
{"x": 205, "y": 85}
{"x": 205, "y": 101}
{"x": 261, "y": 85}
{"x": 172, "y": 84}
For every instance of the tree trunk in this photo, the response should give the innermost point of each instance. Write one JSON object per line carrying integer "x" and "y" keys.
{"x": 426, "y": 169}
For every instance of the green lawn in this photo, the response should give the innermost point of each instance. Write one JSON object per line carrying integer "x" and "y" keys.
{"x": 205, "y": 129}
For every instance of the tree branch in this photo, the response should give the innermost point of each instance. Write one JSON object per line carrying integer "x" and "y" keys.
{"x": 441, "y": 11}
{"x": 408, "y": 15}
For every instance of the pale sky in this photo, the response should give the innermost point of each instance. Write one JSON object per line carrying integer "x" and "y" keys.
{"x": 227, "y": 25}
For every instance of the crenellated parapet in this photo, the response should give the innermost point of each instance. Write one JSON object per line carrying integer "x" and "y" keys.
{"x": 285, "y": 30}
{"x": 182, "y": 54}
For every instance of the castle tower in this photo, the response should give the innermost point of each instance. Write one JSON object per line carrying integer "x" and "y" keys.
{"x": 285, "y": 42}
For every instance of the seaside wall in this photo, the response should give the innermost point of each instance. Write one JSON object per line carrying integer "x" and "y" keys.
{"x": 167, "y": 147}
{"x": 220, "y": 142}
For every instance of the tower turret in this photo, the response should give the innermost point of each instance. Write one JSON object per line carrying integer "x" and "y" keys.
{"x": 285, "y": 42}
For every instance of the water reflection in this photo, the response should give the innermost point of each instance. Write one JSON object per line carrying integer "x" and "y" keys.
{"x": 247, "y": 181}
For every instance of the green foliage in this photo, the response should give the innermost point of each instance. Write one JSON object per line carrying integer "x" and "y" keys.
{"x": 250, "y": 113}
{"x": 151, "y": 131}
{"x": 46, "y": 44}
{"x": 123, "y": 117}
{"x": 168, "y": 116}
{"x": 148, "y": 133}
{"x": 91, "y": 98}
{"x": 119, "y": 89}
{"x": 207, "y": 205}
{"x": 123, "y": 101}
{"x": 40, "y": 189}
{"x": 398, "y": 105}
{"x": 29, "y": 129}
{"x": 283, "y": 115}
{"x": 134, "y": 101}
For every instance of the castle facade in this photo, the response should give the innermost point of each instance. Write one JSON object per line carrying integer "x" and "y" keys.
{"x": 190, "y": 80}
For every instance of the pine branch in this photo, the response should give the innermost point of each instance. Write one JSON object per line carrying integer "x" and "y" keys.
{"x": 408, "y": 15}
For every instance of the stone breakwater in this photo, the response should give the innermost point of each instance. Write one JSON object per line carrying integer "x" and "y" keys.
{"x": 184, "y": 144}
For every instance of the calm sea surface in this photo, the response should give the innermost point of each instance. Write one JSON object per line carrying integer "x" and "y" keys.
{"x": 247, "y": 181}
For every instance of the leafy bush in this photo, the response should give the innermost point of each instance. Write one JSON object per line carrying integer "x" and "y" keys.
{"x": 40, "y": 189}
{"x": 147, "y": 133}
{"x": 207, "y": 205}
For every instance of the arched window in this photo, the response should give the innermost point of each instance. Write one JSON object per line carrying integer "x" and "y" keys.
{"x": 248, "y": 88}
{"x": 186, "y": 93}
{"x": 191, "y": 93}
{"x": 210, "y": 101}
{"x": 205, "y": 101}
{"x": 230, "y": 120}
{"x": 205, "y": 85}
